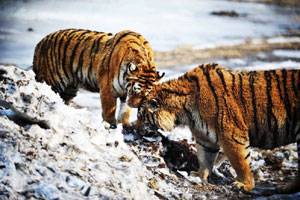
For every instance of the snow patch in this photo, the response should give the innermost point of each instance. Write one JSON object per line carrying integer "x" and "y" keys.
{"x": 270, "y": 66}
{"x": 281, "y": 39}
{"x": 287, "y": 53}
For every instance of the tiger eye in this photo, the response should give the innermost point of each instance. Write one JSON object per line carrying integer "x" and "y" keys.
{"x": 132, "y": 67}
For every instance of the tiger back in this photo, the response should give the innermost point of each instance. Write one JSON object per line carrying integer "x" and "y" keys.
{"x": 232, "y": 110}
{"x": 99, "y": 62}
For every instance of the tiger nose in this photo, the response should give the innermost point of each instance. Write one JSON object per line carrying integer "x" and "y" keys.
{"x": 136, "y": 88}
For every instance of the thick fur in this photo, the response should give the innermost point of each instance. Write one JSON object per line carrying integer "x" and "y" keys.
{"x": 232, "y": 110}
{"x": 97, "y": 61}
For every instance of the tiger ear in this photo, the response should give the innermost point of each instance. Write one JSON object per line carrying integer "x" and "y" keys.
{"x": 158, "y": 76}
{"x": 153, "y": 105}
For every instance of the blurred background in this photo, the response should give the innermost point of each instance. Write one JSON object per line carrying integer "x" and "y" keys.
{"x": 183, "y": 33}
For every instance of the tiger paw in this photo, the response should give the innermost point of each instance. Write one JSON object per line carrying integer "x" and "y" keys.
{"x": 113, "y": 126}
{"x": 239, "y": 186}
{"x": 108, "y": 126}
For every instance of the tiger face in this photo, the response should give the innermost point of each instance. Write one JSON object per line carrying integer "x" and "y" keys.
{"x": 155, "y": 114}
{"x": 138, "y": 90}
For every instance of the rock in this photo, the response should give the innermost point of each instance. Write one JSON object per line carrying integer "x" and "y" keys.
{"x": 153, "y": 184}
{"x": 225, "y": 13}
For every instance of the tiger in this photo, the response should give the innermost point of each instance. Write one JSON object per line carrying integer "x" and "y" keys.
{"x": 229, "y": 110}
{"x": 117, "y": 66}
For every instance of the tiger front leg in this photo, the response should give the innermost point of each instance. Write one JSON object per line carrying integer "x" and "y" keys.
{"x": 108, "y": 102}
{"x": 206, "y": 158}
{"x": 124, "y": 113}
{"x": 236, "y": 147}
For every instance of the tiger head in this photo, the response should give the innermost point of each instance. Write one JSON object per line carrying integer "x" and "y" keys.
{"x": 155, "y": 113}
{"x": 140, "y": 81}
{"x": 135, "y": 56}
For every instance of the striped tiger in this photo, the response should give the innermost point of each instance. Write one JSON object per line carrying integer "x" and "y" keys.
{"x": 232, "y": 110}
{"x": 71, "y": 59}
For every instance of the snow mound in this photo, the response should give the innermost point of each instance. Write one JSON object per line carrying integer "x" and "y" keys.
{"x": 75, "y": 158}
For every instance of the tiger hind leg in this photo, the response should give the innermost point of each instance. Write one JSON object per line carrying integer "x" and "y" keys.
{"x": 237, "y": 151}
{"x": 295, "y": 185}
{"x": 68, "y": 94}
{"x": 206, "y": 157}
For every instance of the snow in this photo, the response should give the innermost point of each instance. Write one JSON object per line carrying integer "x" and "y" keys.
{"x": 287, "y": 53}
{"x": 219, "y": 43}
{"x": 288, "y": 64}
{"x": 87, "y": 145}
{"x": 237, "y": 61}
{"x": 281, "y": 39}
{"x": 257, "y": 160}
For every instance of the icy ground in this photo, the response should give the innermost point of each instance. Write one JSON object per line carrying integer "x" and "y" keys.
{"x": 78, "y": 159}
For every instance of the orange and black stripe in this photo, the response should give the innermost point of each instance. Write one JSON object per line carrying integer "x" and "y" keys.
{"x": 268, "y": 100}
